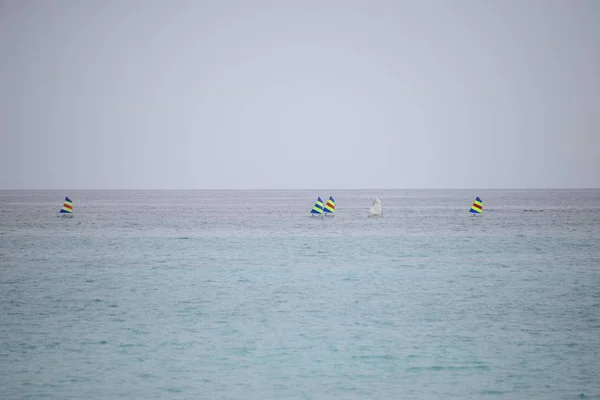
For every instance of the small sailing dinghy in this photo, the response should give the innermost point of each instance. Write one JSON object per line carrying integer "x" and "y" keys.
{"x": 376, "y": 209}
{"x": 329, "y": 209}
{"x": 317, "y": 210}
{"x": 477, "y": 207}
{"x": 67, "y": 208}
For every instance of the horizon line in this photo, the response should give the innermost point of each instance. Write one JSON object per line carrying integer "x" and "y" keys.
{"x": 291, "y": 189}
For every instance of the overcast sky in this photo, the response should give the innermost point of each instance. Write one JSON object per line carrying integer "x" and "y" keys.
{"x": 299, "y": 94}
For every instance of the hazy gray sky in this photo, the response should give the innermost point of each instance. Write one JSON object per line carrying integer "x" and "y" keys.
{"x": 299, "y": 94}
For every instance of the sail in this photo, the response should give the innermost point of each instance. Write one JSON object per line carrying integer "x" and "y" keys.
{"x": 318, "y": 207}
{"x": 376, "y": 208}
{"x": 330, "y": 206}
{"x": 67, "y": 206}
{"x": 477, "y": 207}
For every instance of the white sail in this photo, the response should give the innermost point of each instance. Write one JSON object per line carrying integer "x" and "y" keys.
{"x": 376, "y": 209}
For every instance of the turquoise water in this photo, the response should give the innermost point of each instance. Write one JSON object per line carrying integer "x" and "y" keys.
{"x": 242, "y": 295}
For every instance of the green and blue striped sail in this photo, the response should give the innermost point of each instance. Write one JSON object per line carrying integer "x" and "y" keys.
{"x": 318, "y": 208}
{"x": 67, "y": 207}
{"x": 477, "y": 207}
{"x": 330, "y": 206}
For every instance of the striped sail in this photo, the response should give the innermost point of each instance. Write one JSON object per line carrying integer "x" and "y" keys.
{"x": 318, "y": 207}
{"x": 330, "y": 206}
{"x": 67, "y": 206}
{"x": 477, "y": 207}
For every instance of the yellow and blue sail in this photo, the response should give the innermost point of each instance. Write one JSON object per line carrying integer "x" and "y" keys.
{"x": 318, "y": 207}
{"x": 67, "y": 206}
{"x": 477, "y": 207}
{"x": 330, "y": 206}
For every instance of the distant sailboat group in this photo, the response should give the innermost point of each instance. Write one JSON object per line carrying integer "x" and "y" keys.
{"x": 319, "y": 209}
{"x": 376, "y": 209}
{"x": 324, "y": 210}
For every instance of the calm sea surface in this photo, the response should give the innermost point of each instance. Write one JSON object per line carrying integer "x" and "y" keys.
{"x": 242, "y": 295}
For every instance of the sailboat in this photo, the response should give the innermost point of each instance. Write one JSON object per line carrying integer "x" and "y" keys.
{"x": 376, "y": 209}
{"x": 317, "y": 210}
{"x": 330, "y": 207}
{"x": 477, "y": 207}
{"x": 67, "y": 208}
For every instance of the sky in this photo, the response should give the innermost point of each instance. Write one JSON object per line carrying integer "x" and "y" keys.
{"x": 285, "y": 94}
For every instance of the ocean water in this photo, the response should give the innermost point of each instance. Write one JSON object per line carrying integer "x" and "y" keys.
{"x": 242, "y": 295}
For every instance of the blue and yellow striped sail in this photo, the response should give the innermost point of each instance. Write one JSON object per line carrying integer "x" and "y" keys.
{"x": 318, "y": 208}
{"x": 477, "y": 207}
{"x": 330, "y": 206}
{"x": 67, "y": 206}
